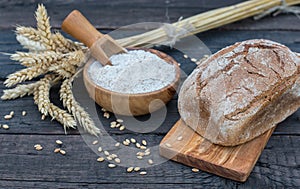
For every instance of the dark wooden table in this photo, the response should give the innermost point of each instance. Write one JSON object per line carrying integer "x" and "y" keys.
{"x": 23, "y": 167}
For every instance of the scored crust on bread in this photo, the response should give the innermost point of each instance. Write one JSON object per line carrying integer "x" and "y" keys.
{"x": 241, "y": 91}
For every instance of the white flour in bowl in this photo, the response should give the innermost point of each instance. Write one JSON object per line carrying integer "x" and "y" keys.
{"x": 134, "y": 72}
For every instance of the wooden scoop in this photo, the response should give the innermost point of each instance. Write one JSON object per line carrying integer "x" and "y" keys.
{"x": 102, "y": 46}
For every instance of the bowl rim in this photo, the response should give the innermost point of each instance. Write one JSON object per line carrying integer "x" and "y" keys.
{"x": 173, "y": 84}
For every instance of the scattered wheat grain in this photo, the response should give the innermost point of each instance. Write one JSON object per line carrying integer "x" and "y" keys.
{"x": 117, "y": 160}
{"x": 5, "y": 126}
{"x": 59, "y": 142}
{"x": 100, "y": 159}
{"x": 24, "y": 113}
{"x": 95, "y": 142}
{"x": 143, "y": 173}
{"x": 99, "y": 149}
{"x": 195, "y": 170}
{"x": 130, "y": 169}
{"x": 122, "y": 128}
{"x": 63, "y": 152}
{"x": 137, "y": 169}
{"x": 119, "y": 120}
{"x": 132, "y": 140}
{"x": 111, "y": 165}
{"x": 179, "y": 138}
{"x": 150, "y": 161}
{"x": 56, "y": 150}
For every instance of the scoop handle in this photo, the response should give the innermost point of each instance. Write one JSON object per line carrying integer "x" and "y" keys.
{"x": 80, "y": 28}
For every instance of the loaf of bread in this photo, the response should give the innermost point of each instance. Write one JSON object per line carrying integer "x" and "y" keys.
{"x": 241, "y": 91}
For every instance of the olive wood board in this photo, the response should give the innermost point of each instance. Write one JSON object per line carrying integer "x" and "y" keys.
{"x": 184, "y": 145}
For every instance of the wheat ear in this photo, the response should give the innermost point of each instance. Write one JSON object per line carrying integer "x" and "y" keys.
{"x": 19, "y": 91}
{"x": 44, "y": 28}
{"x": 28, "y": 32}
{"x": 32, "y": 59}
{"x": 77, "y": 111}
{"x": 62, "y": 117}
{"x": 64, "y": 45}
{"x": 41, "y": 94}
{"x": 25, "y": 74}
{"x": 31, "y": 45}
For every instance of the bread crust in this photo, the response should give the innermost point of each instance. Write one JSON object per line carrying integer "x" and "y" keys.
{"x": 241, "y": 91}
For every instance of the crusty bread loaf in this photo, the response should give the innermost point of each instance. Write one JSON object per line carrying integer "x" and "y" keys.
{"x": 241, "y": 91}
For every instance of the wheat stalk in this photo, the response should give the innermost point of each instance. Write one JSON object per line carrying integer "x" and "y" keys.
{"x": 205, "y": 21}
{"x": 73, "y": 106}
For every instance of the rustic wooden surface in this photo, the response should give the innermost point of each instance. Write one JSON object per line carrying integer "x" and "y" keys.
{"x": 23, "y": 167}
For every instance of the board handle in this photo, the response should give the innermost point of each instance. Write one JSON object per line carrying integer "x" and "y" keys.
{"x": 80, "y": 28}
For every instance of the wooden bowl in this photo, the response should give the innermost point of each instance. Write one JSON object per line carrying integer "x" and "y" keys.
{"x": 132, "y": 104}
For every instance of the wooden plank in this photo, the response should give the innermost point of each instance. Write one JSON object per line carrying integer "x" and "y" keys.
{"x": 108, "y": 14}
{"x": 235, "y": 162}
{"x": 214, "y": 40}
{"x": 277, "y": 167}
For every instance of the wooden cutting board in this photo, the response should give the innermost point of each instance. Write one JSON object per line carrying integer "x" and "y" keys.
{"x": 184, "y": 145}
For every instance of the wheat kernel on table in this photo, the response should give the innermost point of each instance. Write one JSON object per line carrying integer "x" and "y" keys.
{"x": 111, "y": 165}
{"x": 99, "y": 149}
{"x": 120, "y": 120}
{"x": 143, "y": 147}
{"x": 147, "y": 153}
{"x": 150, "y": 161}
{"x": 185, "y": 56}
{"x": 137, "y": 145}
{"x": 24, "y": 113}
{"x": 95, "y": 142}
{"x": 168, "y": 145}
{"x": 117, "y": 160}
{"x": 130, "y": 169}
{"x": 139, "y": 157}
{"x": 106, "y": 153}
{"x": 7, "y": 117}
{"x": 137, "y": 169}
{"x": 43, "y": 117}
{"x": 122, "y": 128}
{"x": 38, "y": 147}
{"x": 63, "y": 152}
{"x": 12, "y": 113}
{"x": 5, "y": 126}
{"x": 103, "y": 110}
{"x": 125, "y": 143}
{"x": 109, "y": 158}
{"x": 143, "y": 173}
{"x": 193, "y": 59}
{"x": 132, "y": 140}
{"x": 144, "y": 142}
{"x": 114, "y": 155}
{"x": 59, "y": 142}
{"x": 100, "y": 159}
{"x": 106, "y": 115}
{"x": 195, "y": 170}
{"x": 117, "y": 144}
{"x": 56, "y": 150}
